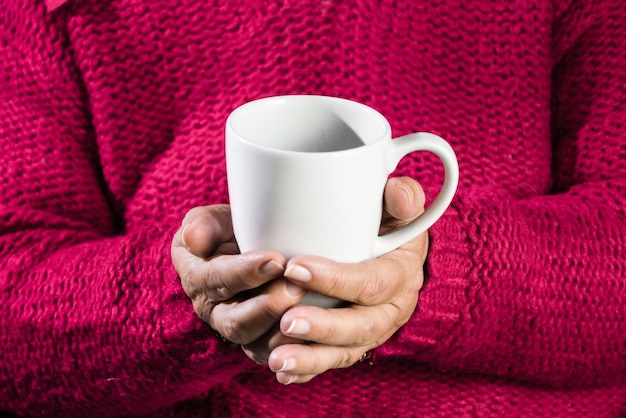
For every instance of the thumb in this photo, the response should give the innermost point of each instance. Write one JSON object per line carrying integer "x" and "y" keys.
{"x": 404, "y": 198}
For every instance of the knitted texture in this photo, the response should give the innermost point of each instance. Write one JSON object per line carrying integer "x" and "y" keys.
{"x": 111, "y": 127}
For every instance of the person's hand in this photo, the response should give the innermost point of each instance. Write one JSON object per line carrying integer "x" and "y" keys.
{"x": 382, "y": 294}
{"x": 241, "y": 296}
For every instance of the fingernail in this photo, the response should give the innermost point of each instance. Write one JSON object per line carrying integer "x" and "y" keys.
{"x": 182, "y": 235}
{"x": 271, "y": 268}
{"x": 299, "y": 327}
{"x": 297, "y": 273}
{"x": 285, "y": 379}
{"x": 293, "y": 290}
{"x": 288, "y": 365}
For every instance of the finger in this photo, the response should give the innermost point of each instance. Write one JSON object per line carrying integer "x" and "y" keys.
{"x": 224, "y": 276}
{"x": 299, "y": 363}
{"x": 353, "y": 326}
{"x": 288, "y": 379}
{"x": 404, "y": 198}
{"x": 260, "y": 349}
{"x": 207, "y": 232}
{"x": 246, "y": 320}
{"x": 205, "y": 228}
{"x": 371, "y": 282}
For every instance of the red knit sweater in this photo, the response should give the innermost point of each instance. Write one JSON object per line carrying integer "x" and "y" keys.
{"x": 111, "y": 127}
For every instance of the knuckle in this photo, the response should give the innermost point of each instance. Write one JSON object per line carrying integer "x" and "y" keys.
{"x": 188, "y": 278}
{"x": 215, "y": 285}
{"x": 232, "y": 330}
{"x": 330, "y": 331}
{"x": 345, "y": 360}
{"x": 335, "y": 285}
{"x": 373, "y": 288}
{"x": 203, "y": 308}
{"x": 206, "y": 282}
{"x": 222, "y": 292}
{"x": 368, "y": 331}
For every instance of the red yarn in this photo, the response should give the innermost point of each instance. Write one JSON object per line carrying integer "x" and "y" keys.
{"x": 111, "y": 127}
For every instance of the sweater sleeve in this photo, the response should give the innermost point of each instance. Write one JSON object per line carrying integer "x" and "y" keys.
{"x": 534, "y": 289}
{"x": 93, "y": 320}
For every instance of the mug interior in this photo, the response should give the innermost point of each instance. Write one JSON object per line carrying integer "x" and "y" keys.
{"x": 308, "y": 123}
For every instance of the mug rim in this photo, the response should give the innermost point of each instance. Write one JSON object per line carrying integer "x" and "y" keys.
{"x": 386, "y": 132}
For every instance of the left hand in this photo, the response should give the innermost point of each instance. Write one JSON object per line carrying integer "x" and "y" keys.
{"x": 382, "y": 294}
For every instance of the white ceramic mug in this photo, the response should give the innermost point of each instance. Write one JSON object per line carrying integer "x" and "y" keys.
{"x": 306, "y": 176}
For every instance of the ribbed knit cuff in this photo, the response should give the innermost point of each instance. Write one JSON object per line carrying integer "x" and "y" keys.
{"x": 444, "y": 295}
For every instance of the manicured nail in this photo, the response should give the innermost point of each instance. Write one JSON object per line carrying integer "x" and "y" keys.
{"x": 292, "y": 289}
{"x": 288, "y": 365}
{"x": 297, "y": 273}
{"x": 299, "y": 327}
{"x": 271, "y": 268}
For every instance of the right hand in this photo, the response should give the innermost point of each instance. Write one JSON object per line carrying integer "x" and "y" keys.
{"x": 241, "y": 296}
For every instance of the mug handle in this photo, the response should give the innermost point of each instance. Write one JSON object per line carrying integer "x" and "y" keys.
{"x": 398, "y": 148}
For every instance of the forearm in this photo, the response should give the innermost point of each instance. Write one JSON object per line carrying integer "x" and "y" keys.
{"x": 94, "y": 324}
{"x": 531, "y": 289}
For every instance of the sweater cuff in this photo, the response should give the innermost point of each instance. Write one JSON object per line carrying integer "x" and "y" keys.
{"x": 181, "y": 331}
{"x": 444, "y": 296}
